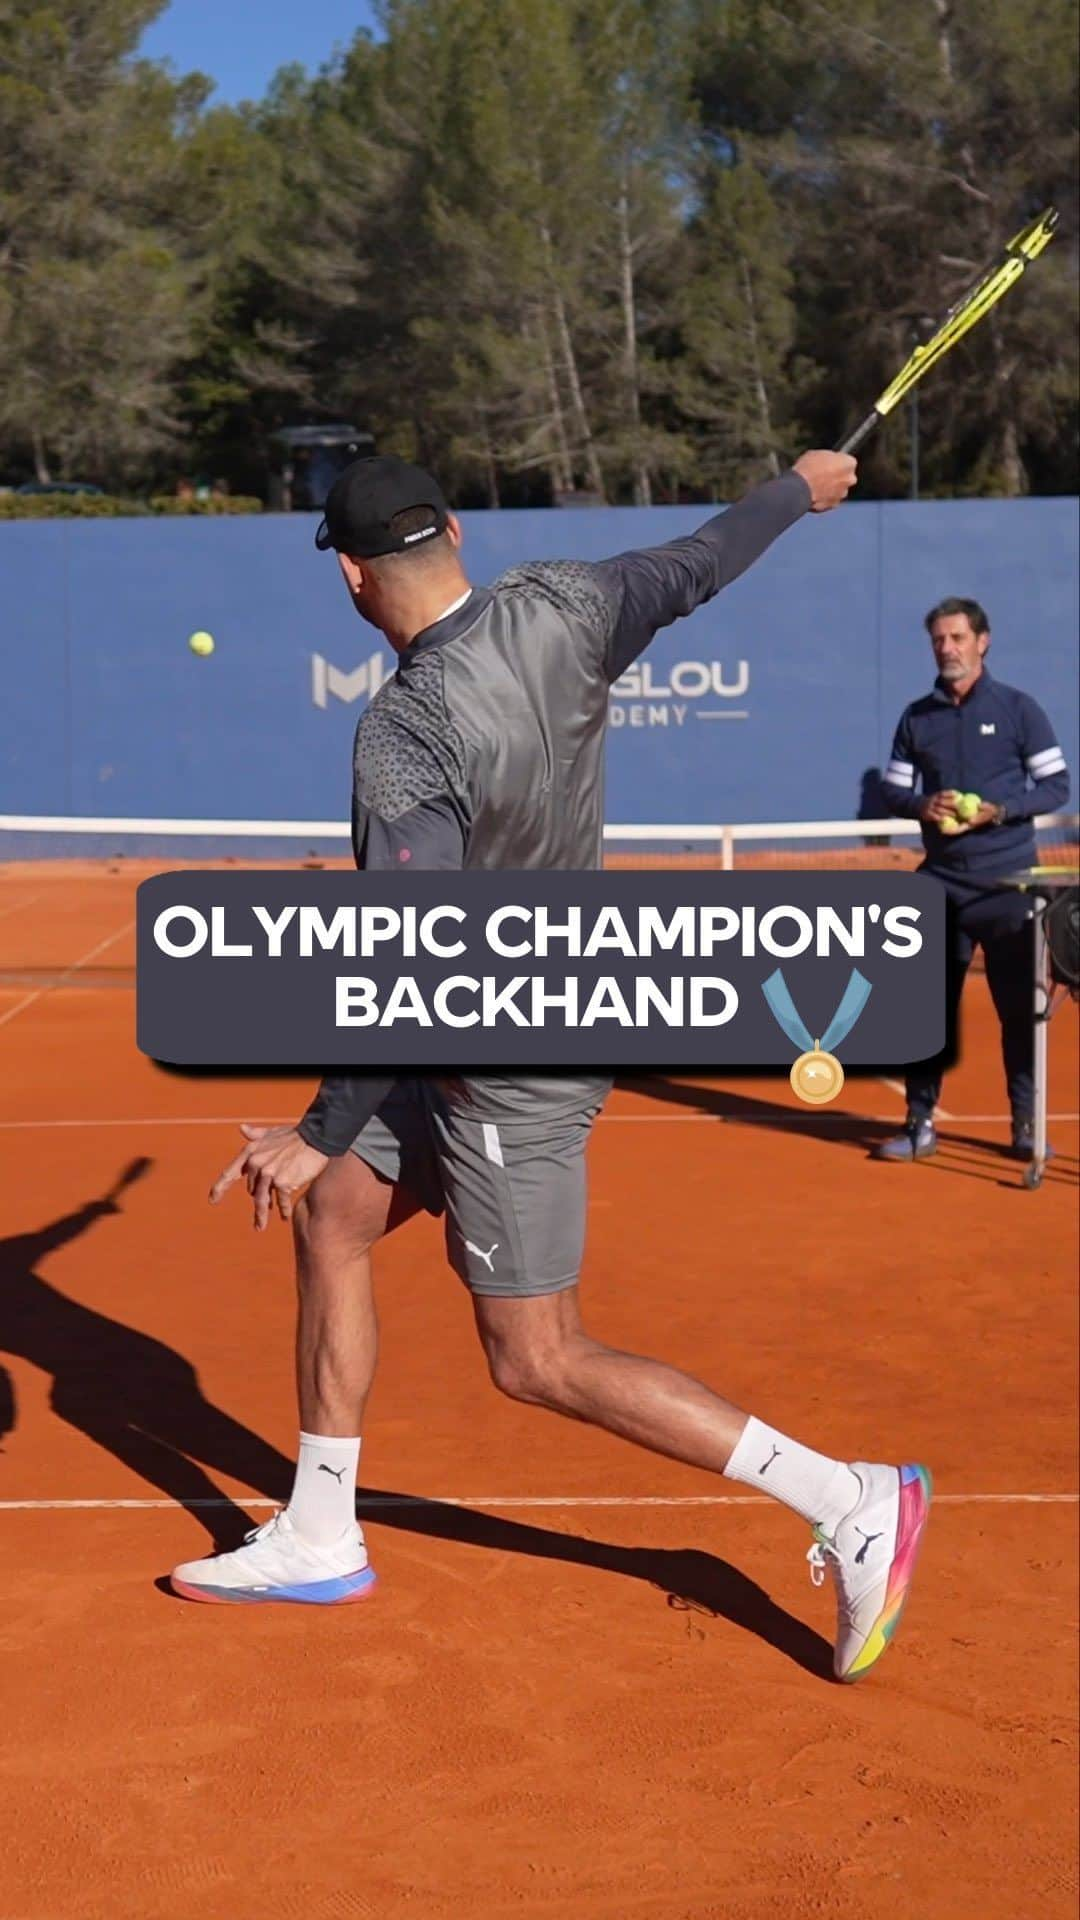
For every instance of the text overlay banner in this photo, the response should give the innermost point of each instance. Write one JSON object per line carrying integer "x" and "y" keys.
{"x": 539, "y": 971}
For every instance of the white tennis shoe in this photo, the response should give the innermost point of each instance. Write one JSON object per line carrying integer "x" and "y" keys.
{"x": 277, "y": 1563}
{"x": 871, "y": 1557}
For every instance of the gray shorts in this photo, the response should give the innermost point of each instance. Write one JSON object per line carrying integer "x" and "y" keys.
{"x": 513, "y": 1190}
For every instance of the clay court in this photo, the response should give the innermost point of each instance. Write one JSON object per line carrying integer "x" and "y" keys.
{"x": 591, "y": 1683}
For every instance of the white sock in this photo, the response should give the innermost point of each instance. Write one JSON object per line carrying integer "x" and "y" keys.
{"x": 821, "y": 1490}
{"x": 323, "y": 1499}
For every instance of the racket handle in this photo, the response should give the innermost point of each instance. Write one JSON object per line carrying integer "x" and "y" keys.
{"x": 861, "y": 433}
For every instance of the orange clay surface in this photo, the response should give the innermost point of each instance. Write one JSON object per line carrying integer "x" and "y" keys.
{"x": 571, "y": 1695}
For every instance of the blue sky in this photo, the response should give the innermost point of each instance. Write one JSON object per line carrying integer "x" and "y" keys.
{"x": 242, "y": 43}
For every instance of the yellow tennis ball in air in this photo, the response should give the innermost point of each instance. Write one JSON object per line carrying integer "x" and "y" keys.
{"x": 202, "y": 644}
{"x": 967, "y": 806}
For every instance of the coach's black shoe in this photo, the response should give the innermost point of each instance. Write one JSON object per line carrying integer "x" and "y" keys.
{"x": 1023, "y": 1139}
{"x": 917, "y": 1142}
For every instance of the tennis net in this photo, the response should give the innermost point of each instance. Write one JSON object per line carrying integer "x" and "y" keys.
{"x": 67, "y": 886}
{"x": 798, "y": 845}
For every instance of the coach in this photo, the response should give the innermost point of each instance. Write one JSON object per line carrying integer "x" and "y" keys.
{"x": 973, "y": 735}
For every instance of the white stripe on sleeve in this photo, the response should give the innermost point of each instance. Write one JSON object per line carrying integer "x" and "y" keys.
{"x": 1050, "y": 760}
{"x": 901, "y": 773}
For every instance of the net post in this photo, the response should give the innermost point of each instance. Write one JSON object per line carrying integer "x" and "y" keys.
{"x": 727, "y": 851}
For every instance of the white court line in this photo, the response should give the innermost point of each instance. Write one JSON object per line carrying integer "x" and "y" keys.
{"x": 18, "y": 905}
{"x": 940, "y": 1113}
{"x": 789, "y": 1114}
{"x": 510, "y": 1501}
{"x": 84, "y": 961}
{"x": 605, "y": 1119}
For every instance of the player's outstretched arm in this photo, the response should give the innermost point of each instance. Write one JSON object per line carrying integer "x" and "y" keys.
{"x": 649, "y": 588}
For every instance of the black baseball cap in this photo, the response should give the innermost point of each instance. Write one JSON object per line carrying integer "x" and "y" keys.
{"x": 368, "y": 496}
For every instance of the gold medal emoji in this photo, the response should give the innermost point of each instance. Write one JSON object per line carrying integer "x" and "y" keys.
{"x": 817, "y": 1077}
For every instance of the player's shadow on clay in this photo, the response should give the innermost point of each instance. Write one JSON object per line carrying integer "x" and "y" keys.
{"x": 691, "y": 1580}
{"x": 131, "y": 1394}
{"x": 141, "y": 1400}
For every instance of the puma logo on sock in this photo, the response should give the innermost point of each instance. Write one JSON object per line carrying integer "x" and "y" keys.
{"x": 336, "y": 1471}
{"x": 769, "y": 1461}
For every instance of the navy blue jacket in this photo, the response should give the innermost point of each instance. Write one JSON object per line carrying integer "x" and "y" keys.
{"x": 997, "y": 742}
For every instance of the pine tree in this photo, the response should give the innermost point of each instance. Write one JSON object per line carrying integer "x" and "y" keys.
{"x": 97, "y": 294}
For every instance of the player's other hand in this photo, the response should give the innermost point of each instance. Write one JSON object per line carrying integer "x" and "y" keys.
{"x": 940, "y": 807}
{"x": 829, "y": 476}
{"x": 275, "y": 1166}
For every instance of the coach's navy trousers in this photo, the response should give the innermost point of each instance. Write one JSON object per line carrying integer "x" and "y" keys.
{"x": 999, "y": 921}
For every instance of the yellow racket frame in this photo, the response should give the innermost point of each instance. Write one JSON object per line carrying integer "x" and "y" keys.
{"x": 972, "y": 307}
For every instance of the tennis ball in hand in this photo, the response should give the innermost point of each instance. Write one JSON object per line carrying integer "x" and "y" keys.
{"x": 202, "y": 644}
{"x": 967, "y": 806}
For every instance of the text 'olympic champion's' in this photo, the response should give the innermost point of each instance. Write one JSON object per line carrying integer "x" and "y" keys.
{"x": 515, "y": 932}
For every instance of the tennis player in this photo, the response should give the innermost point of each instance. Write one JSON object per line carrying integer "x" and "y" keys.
{"x": 485, "y": 750}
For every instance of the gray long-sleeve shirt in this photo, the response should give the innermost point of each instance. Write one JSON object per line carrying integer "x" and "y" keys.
{"x": 486, "y": 748}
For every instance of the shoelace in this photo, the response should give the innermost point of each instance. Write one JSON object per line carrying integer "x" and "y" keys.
{"x": 818, "y": 1557}
{"x": 266, "y": 1526}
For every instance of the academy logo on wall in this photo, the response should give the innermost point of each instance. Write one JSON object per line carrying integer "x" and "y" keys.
{"x": 645, "y": 696}
{"x": 651, "y": 696}
{"x": 336, "y": 683}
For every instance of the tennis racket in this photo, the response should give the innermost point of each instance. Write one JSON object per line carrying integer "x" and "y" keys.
{"x": 968, "y": 311}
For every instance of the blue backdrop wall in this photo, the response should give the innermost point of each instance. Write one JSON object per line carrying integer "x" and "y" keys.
{"x": 772, "y": 703}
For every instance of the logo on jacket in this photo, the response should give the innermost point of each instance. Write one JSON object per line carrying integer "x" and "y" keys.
{"x": 987, "y": 727}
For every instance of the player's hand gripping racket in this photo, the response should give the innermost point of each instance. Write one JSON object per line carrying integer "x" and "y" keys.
{"x": 968, "y": 311}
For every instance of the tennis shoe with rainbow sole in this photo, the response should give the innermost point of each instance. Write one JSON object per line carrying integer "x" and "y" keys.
{"x": 277, "y": 1563}
{"x": 871, "y": 1557}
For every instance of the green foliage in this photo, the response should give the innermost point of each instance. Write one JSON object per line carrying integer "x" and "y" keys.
{"x": 904, "y": 141}
{"x": 647, "y": 250}
{"x": 226, "y": 503}
{"x": 68, "y": 506}
{"x": 103, "y": 506}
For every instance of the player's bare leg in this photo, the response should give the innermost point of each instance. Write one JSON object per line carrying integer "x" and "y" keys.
{"x": 314, "y": 1552}
{"x": 868, "y": 1520}
{"x": 335, "y": 1226}
{"x": 538, "y": 1351}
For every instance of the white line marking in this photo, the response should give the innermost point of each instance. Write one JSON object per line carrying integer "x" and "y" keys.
{"x": 18, "y": 905}
{"x": 940, "y": 1113}
{"x": 607, "y": 1119}
{"x": 372, "y": 1501}
{"x": 85, "y": 961}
